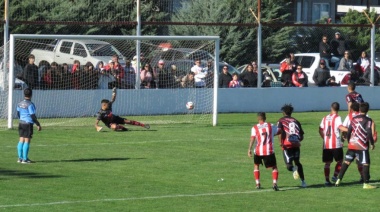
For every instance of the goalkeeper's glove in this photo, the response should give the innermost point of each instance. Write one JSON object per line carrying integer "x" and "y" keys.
{"x": 114, "y": 90}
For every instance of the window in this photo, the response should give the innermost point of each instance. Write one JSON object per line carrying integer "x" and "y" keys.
{"x": 320, "y": 11}
{"x": 305, "y": 61}
{"x": 79, "y": 50}
{"x": 66, "y": 47}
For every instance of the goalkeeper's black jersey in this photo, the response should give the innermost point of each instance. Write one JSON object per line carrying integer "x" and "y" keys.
{"x": 106, "y": 116}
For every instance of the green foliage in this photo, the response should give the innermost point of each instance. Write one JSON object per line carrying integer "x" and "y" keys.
{"x": 359, "y": 37}
{"x": 238, "y": 43}
{"x": 174, "y": 167}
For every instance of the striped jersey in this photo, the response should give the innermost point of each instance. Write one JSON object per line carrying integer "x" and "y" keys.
{"x": 291, "y": 132}
{"x": 347, "y": 120}
{"x": 263, "y": 133}
{"x": 360, "y": 133}
{"x": 331, "y": 134}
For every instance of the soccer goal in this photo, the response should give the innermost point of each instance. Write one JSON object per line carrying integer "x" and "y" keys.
{"x": 69, "y": 82}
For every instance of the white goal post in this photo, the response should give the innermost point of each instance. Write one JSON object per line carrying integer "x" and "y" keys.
{"x": 61, "y": 105}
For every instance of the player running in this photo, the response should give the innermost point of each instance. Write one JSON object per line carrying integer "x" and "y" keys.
{"x": 359, "y": 137}
{"x": 329, "y": 130}
{"x": 112, "y": 121}
{"x": 290, "y": 135}
{"x": 263, "y": 134}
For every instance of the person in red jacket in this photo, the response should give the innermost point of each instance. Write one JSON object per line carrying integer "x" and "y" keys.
{"x": 299, "y": 78}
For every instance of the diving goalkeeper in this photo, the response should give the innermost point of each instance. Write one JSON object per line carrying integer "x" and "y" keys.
{"x": 112, "y": 121}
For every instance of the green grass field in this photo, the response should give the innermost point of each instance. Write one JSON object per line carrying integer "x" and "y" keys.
{"x": 171, "y": 168}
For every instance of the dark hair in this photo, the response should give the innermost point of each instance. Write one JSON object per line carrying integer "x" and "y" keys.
{"x": 355, "y": 106}
{"x": 105, "y": 101}
{"x": 31, "y": 56}
{"x": 262, "y": 115}
{"x": 235, "y": 74}
{"x": 364, "y": 107}
{"x": 54, "y": 64}
{"x": 287, "y": 109}
{"x": 335, "y": 106}
{"x": 28, "y": 92}
{"x": 351, "y": 86}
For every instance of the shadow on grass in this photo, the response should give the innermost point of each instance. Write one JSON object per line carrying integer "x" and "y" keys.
{"x": 129, "y": 130}
{"x": 26, "y": 174}
{"x": 88, "y": 160}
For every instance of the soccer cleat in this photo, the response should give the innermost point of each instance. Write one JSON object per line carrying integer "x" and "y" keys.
{"x": 147, "y": 126}
{"x": 303, "y": 184}
{"x": 337, "y": 183}
{"x": 328, "y": 183}
{"x": 334, "y": 179}
{"x": 368, "y": 186}
{"x": 295, "y": 173}
{"x": 27, "y": 161}
{"x": 258, "y": 186}
{"x": 19, "y": 160}
{"x": 275, "y": 187}
{"x": 99, "y": 129}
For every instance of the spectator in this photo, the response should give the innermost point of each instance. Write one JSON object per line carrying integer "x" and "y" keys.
{"x": 321, "y": 74}
{"x": 286, "y": 68}
{"x": 363, "y": 62}
{"x": 176, "y": 77}
{"x": 164, "y": 76}
{"x": 325, "y": 50}
{"x": 63, "y": 77}
{"x": 105, "y": 78}
{"x": 346, "y": 63}
{"x": 200, "y": 74}
{"x": 47, "y": 78}
{"x": 188, "y": 81}
{"x": 299, "y": 77}
{"x": 249, "y": 76}
{"x": 90, "y": 77}
{"x": 30, "y": 74}
{"x": 338, "y": 47}
{"x": 148, "y": 77}
{"x": 293, "y": 61}
{"x": 235, "y": 82}
{"x": 130, "y": 76}
{"x": 55, "y": 74}
{"x": 367, "y": 76}
{"x": 224, "y": 78}
{"x": 116, "y": 70}
{"x": 210, "y": 74}
{"x": 76, "y": 74}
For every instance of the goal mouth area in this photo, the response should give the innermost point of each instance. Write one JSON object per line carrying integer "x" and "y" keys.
{"x": 64, "y": 95}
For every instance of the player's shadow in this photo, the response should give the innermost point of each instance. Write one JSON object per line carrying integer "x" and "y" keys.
{"x": 89, "y": 160}
{"x": 26, "y": 174}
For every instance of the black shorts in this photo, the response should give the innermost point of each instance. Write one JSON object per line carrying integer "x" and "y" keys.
{"x": 291, "y": 154}
{"x": 25, "y": 130}
{"x": 361, "y": 155}
{"x": 269, "y": 160}
{"x": 115, "y": 120}
{"x": 329, "y": 155}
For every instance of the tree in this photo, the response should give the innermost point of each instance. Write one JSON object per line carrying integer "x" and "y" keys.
{"x": 238, "y": 42}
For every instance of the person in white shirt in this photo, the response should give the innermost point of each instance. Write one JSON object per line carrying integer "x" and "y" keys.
{"x": 200, "y": 74}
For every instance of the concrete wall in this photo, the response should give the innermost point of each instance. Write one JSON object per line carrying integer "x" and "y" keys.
{"x": 75, "y": 103}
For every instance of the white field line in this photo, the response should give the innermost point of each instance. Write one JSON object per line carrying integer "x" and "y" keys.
{"x": 116, "y": 143}
{"x": 147, "y": 198}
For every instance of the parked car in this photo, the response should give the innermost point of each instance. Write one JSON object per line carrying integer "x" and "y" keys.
{"x": 185, "y": 66}
{"x": 271, "y": 74}
{"x": 66, "y": 51}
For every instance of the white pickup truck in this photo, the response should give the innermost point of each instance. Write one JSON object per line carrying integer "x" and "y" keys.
{"x": 66, "y": 51}
{"x": 310, "y": 62}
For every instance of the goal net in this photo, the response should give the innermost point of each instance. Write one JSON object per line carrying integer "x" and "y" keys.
{"x": 72, "y": 74}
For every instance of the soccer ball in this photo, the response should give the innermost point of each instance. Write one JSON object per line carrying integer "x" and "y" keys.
{"x": 190, "y": 105}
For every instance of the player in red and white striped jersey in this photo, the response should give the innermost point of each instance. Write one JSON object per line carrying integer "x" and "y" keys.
{"x": 329, "y": 129}
{"x": 263, "y": 133}
{"x": 360, "y": 139}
